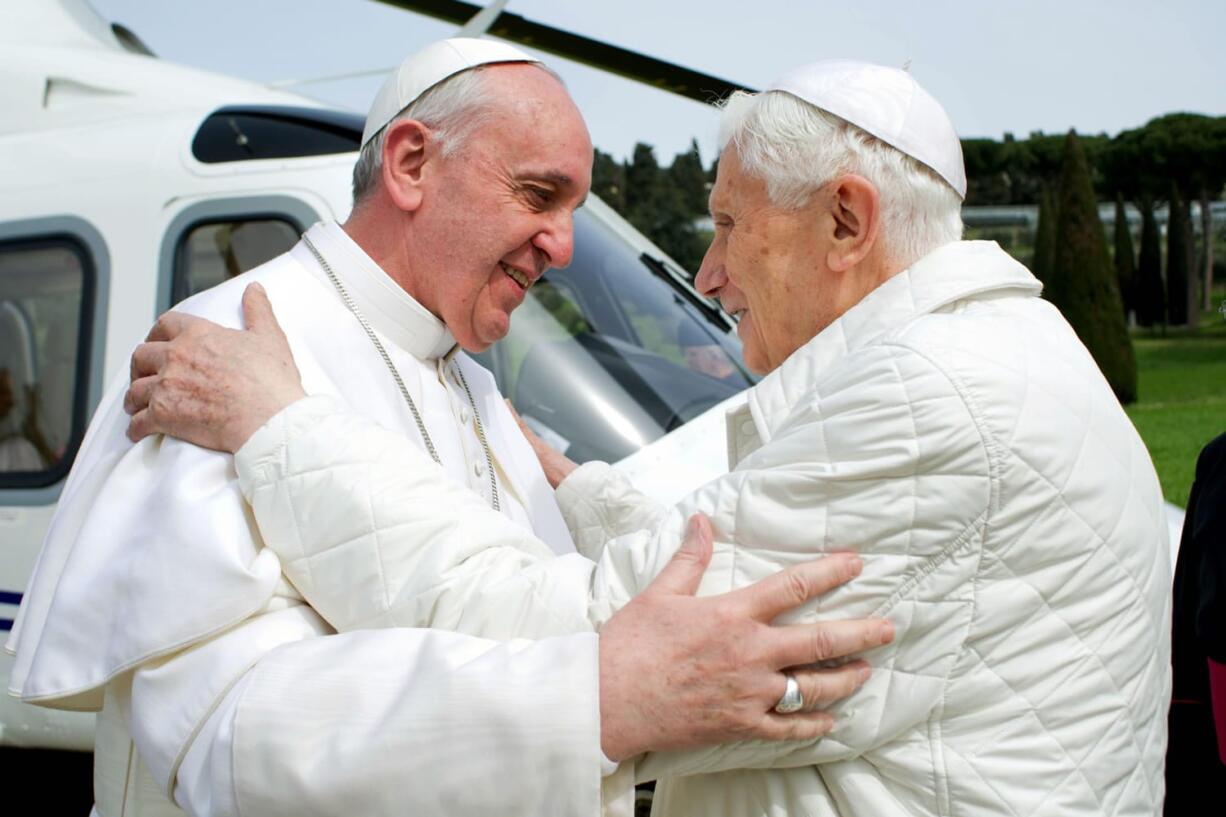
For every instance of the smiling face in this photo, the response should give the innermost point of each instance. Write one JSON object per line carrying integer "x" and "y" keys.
{"x": 498, "y": 212}
{"x": 766, "y": 265}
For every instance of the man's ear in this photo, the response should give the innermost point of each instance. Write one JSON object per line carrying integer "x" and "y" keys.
{"x": 855, "y": 207}
{"x": 408, "y": 151}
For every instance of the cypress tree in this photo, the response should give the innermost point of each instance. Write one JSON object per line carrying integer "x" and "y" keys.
{"x": 1181, "y": 283}
{"x": 1125, "y": 262}
{"x": 1179, "y": 259}
{"x": 1151, "y": 294}
{"x": 1045, "y": 235}
{"x": 1082, "y": 282}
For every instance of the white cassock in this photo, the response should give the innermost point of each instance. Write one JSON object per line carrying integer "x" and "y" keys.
{"x": 155, "y": 602}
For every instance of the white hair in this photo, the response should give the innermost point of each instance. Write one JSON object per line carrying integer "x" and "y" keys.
{"x": 796, "y": 148}
{"x": 453, "y": 109}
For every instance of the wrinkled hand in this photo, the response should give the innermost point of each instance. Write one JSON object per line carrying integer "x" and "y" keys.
{"x": 556, "y": 465}
{"x": 678, "y": 672}
{"x": 209, "y": 385}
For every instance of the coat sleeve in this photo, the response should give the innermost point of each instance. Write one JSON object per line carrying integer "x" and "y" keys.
{"x": 883, "y": 457}
{"x": 600, "y": 504}
{"x": 374, "y": 533}
{"x": 380, "y": 722}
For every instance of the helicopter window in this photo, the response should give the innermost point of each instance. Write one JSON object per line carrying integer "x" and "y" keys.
{"x": 46, "y": 289}
{"x": 213, "y": 252}
{"x": 244, "y": 134}
{"x": 606, "y": 356}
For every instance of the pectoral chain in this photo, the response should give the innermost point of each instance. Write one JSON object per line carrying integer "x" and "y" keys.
{"x": 408, "y": 398}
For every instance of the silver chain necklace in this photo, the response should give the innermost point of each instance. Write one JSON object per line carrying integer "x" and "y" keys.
{"x": 408, "y": 399}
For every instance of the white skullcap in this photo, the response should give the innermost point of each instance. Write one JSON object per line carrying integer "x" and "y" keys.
{"x": 427, "y": 68}
{"x": 889, "y": 104}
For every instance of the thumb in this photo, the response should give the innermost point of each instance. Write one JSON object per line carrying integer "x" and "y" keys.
{"x": 257, "y": 310}
{"x": 683, "y": 573}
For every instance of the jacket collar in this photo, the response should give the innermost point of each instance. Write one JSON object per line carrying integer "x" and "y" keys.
{"x": 955, "y": 272}
{"x": 390, "y": 310}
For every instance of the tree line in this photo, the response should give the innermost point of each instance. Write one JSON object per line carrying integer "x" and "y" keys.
{"x": 1171, "y": 161}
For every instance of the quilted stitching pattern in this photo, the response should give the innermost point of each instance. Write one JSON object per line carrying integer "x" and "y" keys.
{"x": 1049, "y": 695}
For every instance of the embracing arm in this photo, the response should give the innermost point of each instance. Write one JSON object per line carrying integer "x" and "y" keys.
{"x": 887, "y": 460}
{"x": 378, "y": 722}
{"x": 375, "y": 533}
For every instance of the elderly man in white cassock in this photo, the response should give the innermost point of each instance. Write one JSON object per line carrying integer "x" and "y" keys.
{"x": 921, "y": 403}
{"x": 223, "y": 692}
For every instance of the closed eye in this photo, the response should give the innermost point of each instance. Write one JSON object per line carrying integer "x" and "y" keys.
{"x": 540, "y": 197}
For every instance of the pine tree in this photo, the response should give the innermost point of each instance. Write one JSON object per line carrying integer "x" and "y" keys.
{"x": 1151, "y": 293}
{"x": 689, "y": 177}
{"x": 1125, "y": 261}
{"x": 1179, "y": 259}
{"x": 1045, "y": 235}
{"x": 643, "y": 188}
{"x": 1082, "y": 282}
{"x": 609, "y": 180}
{"x": 656, "y": 208}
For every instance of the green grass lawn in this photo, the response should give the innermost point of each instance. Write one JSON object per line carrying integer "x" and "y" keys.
{"x": 1182, "y": 399}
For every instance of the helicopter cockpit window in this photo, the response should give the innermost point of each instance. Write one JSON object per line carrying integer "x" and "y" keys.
{"x": 240, "y": 134}
{"x": 606, "y": 356}
{"x": 46, "y": 288}
{"x": 217, "y": 251}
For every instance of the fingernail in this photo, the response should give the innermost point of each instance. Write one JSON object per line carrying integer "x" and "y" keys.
{"x": 856, "y": 564}
{"x": 887, "y": 632}
{"x": 864, "y": 674}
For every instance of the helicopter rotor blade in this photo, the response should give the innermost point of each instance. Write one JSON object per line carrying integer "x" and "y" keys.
{"x": 642, "y": 68}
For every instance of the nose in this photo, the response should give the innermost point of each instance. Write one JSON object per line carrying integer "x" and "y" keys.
{"x": 711, "y": 277}
{"x": 557, "y": 240}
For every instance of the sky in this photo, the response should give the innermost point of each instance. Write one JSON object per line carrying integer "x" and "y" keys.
{"x": 1049, "y": 65}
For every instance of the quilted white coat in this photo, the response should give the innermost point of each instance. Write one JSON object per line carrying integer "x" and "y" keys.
{"x": 952, "y": 429}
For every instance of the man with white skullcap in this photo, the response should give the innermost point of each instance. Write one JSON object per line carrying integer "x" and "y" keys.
{"x": 222, "y": 691}
{"x": 922, "y": 406}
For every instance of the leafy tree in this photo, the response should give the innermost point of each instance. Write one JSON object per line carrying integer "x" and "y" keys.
{"x": 1184, "y": 148}
{"x": 644, "y": 190}
{"x": 1180, "y": 273}
{"x": 987, "y": 180}
{"x": 1151, "y": 293}
{"x": 1082, "y": 283}
{"x": 690, "y": 178}
{"x": 1045, "y": 236}
{"x": 657, "y": 208}
{"x": 1125, "y": 261}
{"x": 609, "y": 180}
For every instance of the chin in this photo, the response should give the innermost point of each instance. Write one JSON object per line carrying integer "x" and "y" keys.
{"x": 484, "y": 337}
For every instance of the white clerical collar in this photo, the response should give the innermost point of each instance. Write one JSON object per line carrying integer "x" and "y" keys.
{"x": 392, "y": 312}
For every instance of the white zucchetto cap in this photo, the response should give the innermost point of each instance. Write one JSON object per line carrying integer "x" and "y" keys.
{"x": 889, "y": 104}
{"x": 427, "y": 68}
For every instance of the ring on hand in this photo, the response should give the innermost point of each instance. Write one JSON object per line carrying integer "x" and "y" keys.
{"x": 791, "y": 700}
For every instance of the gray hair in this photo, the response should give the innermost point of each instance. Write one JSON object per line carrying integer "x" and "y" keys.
{"x": 453, "y": 109}
{"x": 796, "y": 148}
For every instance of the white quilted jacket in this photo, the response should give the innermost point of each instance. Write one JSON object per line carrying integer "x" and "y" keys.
{"x": 952, "y": 429}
